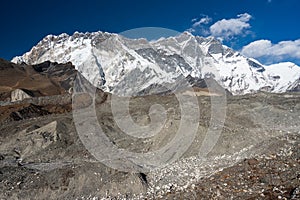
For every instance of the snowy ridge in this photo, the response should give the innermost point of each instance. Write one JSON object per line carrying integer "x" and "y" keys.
{"x": 137, "y": 66}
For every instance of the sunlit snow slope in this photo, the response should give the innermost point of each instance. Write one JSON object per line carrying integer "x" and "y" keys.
{"x": 137, "y": 66}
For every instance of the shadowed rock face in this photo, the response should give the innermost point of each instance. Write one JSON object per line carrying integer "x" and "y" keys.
{"x": 43, "y": 157}
{"x": 44, "y": 79}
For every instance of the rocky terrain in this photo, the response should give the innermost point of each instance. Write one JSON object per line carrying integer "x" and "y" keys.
{"x": 273, "y": 175}
{"x": 43, "y": 154}
{"x": 45, "y": 79}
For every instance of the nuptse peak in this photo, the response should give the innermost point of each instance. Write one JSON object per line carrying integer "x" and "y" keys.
{"x": 136, "y": 66}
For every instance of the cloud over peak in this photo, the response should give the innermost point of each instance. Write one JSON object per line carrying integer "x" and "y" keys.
{"x": 224, "y": 29}
{"x": 204, "y": 20}
{"x": 273, "y": 52}
{"x": 236, "y": 31}
{"x": 229, "y": 28}
{"x": 200, "y": 25}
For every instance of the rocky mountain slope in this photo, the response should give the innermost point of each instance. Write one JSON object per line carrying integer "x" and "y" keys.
{"x": 136, "y": 66}
{"x": 18, "y": 81}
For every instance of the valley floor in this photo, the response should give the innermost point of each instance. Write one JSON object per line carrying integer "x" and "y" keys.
{"x": 256, "y": 157}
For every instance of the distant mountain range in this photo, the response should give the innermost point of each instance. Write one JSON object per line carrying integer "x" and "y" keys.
{"x": 137, "y": 67}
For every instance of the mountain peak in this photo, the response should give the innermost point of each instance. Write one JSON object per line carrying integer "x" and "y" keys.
{"x": 128, "y": 66}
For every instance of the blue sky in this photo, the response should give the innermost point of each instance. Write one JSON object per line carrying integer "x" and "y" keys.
{"x": 265, "y": 29}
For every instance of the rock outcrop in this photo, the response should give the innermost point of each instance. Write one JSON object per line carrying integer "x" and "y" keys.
{"x": 19, "y": 95}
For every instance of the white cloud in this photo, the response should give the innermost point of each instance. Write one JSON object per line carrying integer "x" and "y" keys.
{"x": 200, "y": 22}
{"x": 200, "y": 25}
{"x": 195, "y": 19}
{"x": 229, "y": 28}
{"x": 257, "y": 48}
{"x": 273, "y": 52}
{"x": 191, "y": 30}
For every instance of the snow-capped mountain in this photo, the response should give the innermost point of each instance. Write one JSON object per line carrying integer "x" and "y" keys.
{"x": 137, "y": 66}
